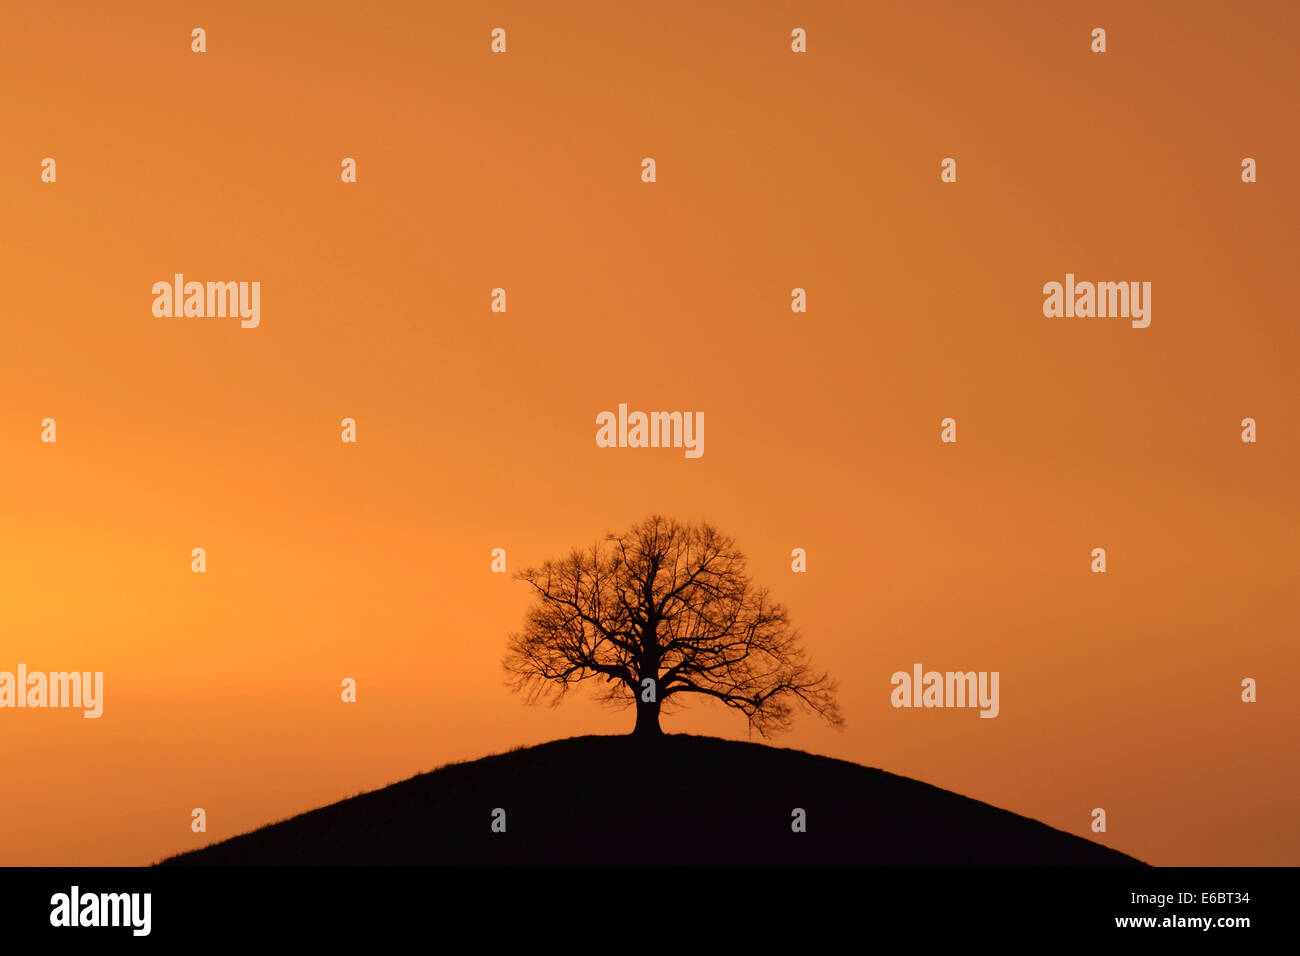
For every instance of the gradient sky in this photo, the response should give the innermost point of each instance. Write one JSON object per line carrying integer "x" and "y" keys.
{"x": 476, "y": 429}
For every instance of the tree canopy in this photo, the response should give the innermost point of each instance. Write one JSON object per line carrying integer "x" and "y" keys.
{"x": 659, "y": 613}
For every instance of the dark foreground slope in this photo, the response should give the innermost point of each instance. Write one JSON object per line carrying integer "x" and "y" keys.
{"x": 679, "y": 800}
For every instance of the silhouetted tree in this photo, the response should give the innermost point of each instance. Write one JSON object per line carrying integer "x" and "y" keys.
{"x": 660, "y": 612}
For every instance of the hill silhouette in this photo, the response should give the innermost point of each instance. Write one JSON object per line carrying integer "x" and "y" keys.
{"x": 674, "y": 800}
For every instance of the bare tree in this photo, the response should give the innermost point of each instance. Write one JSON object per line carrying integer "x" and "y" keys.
{"x": 660, "y": 612}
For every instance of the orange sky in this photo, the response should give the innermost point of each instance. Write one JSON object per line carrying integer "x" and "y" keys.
{"x": 476, "y": 430}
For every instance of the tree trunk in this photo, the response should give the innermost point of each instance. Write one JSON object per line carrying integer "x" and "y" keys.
{"x": 647, "y": 720}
